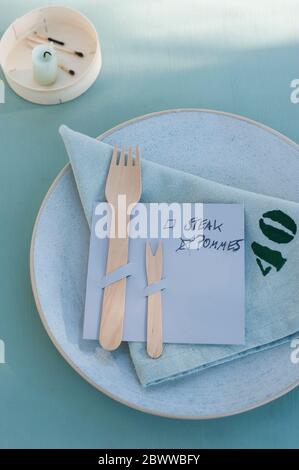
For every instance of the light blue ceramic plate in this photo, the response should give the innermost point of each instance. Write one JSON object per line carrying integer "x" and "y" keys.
{"x": 219, "y": 146}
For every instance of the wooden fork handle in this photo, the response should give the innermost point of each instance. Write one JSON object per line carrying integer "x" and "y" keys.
{"x": 154, "y": 325}
{"x": 114, "y": 298}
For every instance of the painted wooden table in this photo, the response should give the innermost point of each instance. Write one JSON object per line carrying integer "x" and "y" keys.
{"x": 221, "y": 54}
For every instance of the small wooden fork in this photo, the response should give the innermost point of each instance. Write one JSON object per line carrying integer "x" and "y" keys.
{"x": 124, "y": 179}
{"x": 154, "y": 267}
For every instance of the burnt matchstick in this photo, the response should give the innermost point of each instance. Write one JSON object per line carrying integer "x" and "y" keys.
{"x": 58, "y": 48}
{"x": 78, "y": 53}
{"x": 66, "y": 70}
{"x": 46, "y": 38}
{"x": 61, "y": 66}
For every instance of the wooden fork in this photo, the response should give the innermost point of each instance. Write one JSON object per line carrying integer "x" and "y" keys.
{"x": 154, "y": 267}
{"x": 124, "y": 179}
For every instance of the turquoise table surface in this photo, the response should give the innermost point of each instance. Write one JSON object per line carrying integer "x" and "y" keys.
{"x": 229, "y": 55}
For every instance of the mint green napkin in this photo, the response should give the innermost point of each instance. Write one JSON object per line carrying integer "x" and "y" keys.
{"x": 271, "y": 246}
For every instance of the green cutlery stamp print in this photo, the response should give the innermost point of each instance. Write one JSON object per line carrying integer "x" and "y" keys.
{"x": 283, "y": 231}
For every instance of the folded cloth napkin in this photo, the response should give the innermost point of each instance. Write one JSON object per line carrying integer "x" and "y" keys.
{"x": 271, "y": 251}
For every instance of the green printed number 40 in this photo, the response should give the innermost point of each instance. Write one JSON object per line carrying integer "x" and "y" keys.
{"x": 283, "y": 232}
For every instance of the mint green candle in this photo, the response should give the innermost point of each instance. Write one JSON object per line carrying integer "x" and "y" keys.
{"x": 44, "y": 64}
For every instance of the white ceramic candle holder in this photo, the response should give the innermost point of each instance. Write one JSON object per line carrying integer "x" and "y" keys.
{"x": 62, "y": 23}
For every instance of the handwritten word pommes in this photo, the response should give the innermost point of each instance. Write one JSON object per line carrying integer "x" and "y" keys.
{"x": 202, "y": 241}
{"x": 198, "y": 239}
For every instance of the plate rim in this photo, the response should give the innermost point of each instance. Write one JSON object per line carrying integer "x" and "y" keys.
{"x": 53, "y": 185}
